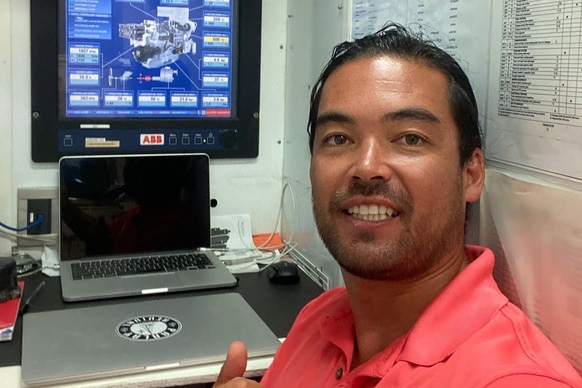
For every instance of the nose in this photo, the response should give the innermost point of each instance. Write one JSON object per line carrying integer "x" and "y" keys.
{"x": 372, "y": 161}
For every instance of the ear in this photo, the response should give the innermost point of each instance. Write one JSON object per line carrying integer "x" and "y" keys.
{"x": 474, "y": 175}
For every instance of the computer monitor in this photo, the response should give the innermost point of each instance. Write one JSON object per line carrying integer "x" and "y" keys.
{"x": 137, "y": 76}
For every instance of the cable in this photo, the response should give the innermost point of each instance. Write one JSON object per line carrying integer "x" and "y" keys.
{"x": 273, "y": 253}
{"x": 27, "y": 227}
{"x": 276, "y": 250}
{"x": 286, "y": 247}
{"x": 289, "y": 247}
{"x": 27, "y": 237}
{"x": 36, "y": 270}
{"x": 279, "y": 212}
{"x": 286, "y": 187}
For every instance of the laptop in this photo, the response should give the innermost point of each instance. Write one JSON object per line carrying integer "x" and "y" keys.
{"x": 134, "y": 225}
{"x": 89, "y": 343}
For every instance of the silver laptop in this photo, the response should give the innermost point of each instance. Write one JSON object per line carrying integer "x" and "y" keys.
{"x": 135, "y": 224}
{"x": 88, "y": 343}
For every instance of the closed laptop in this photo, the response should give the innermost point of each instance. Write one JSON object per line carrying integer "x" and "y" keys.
{"x": 98, "y": 342}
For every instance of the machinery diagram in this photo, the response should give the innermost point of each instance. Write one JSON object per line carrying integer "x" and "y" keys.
{"x": 112, "y": 80}
{"x": 158, "y": 43}
{"x": 166, "y": 75}
{"x": 149, "y": 58}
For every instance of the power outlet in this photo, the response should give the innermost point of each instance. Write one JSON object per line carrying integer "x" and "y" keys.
{"x": 40, "y": 215}
{"x": 35, "y": 204}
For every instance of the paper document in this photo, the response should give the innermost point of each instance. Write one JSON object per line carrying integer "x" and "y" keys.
{"x": 50, "y": 262}
{"x": 232, "y": 238}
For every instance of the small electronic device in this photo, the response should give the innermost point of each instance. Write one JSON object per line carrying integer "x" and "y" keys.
{"x": 26, "y": 264}
{"x": 284, "y": 272}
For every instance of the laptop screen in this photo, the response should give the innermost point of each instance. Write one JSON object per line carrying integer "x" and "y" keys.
{"x": 126, "y": 204}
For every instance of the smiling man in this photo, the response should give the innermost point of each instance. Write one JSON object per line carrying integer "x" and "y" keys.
{"x": 396, "y": 158}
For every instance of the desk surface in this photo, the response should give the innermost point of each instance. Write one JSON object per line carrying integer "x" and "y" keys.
{"x": 277, "y": 305}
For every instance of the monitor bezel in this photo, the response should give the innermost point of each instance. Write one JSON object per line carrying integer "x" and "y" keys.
{"x": 45, "y": 120}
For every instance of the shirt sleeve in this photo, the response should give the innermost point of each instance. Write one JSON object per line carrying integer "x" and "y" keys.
{"x": 529, "y": 381}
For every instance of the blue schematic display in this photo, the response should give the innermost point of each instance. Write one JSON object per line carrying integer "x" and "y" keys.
{"x": 148, "y": 59}
{"x": 137, "y": 76}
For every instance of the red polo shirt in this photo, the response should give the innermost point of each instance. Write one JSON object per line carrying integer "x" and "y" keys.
{"x": 468, "y": 336}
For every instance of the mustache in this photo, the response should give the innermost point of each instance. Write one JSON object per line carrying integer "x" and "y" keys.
{"x": 379, "y": 188}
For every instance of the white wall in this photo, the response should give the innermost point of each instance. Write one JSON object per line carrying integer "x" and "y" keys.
{"x": 6, "y": 199}
{"x": 250, "y": 186}
{"x": 314, "y": 28}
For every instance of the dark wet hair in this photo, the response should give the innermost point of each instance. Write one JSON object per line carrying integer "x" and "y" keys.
{"x": 395, "y": 40}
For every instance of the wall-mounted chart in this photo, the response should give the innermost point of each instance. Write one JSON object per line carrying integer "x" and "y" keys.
{"x": 535, "y": 102}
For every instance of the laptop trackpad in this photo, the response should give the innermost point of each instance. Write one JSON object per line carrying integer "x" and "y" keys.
{"x": 161, "y": 281}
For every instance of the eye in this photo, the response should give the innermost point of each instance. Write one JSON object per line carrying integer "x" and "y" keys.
{"x": 336, "y": 140}
{"x": 411, "y": 139}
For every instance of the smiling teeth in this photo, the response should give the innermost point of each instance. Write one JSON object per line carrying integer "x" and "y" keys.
{"x": 372, "y": 212}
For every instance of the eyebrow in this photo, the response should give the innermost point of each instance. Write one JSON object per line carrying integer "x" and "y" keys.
{"x": 333, "y": 117}
{"x": 411, "y": 113}
{"x": 399, "y": 115}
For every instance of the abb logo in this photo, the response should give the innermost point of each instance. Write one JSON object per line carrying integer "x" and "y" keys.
{"x": 151, "y": 139}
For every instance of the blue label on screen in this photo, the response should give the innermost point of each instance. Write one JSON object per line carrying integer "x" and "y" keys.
{"x": 217, "y": 3}
{"x": 83, "y": 54}
{"x": 184, "y": 100}
{"x": 118, "y": 99}
{"x": 216, "y": 19}
{"x": 215, "y": 60}
{"x": 215, "y": 100}
{"x": 128, "y": 58}
{"x": 84, "y": 77}
{"x": 83, "y": 99}
{"x": 215, "y": 80}
{"x": 174, "y": 2}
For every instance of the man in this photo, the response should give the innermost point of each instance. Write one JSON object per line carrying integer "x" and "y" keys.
{"x": 396, "y": 158}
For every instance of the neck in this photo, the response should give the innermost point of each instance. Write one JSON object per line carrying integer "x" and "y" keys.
{"x": 386, "y": 310}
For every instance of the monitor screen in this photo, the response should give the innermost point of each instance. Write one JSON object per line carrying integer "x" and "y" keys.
{"x": 123, "y": 204}
{"x": 136, "y": 76}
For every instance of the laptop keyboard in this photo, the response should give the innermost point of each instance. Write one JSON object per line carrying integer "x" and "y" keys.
{"x": 94, "y": 269}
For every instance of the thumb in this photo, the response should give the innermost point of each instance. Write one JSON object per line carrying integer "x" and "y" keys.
{"x": 235, "y": 364}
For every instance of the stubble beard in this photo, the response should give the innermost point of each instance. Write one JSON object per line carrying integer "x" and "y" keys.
{"x": 419, "y": 246}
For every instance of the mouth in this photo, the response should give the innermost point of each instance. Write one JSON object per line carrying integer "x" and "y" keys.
{"x": 372, "y": 212}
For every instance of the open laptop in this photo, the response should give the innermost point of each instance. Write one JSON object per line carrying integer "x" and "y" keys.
{"x": 114, "y": 209}
{"x": 90, "y": 343}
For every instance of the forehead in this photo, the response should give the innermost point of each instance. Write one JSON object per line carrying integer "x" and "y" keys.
{"x": 385, "y": 83}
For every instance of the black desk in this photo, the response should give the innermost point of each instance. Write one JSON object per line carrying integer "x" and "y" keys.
{"x": 277, "y": 305}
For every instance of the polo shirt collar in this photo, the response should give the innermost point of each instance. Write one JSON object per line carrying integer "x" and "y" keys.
{"x": 338, "y": 327}
{"x": 472, "y": 298}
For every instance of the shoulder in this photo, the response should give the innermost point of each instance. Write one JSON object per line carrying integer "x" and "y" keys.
{"x": 519, "y": 354}
{"x": 531, "y": 381}
{"x": 536, "y": 345}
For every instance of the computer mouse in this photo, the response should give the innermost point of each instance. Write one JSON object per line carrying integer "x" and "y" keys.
{"x": 284, "y": 272}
